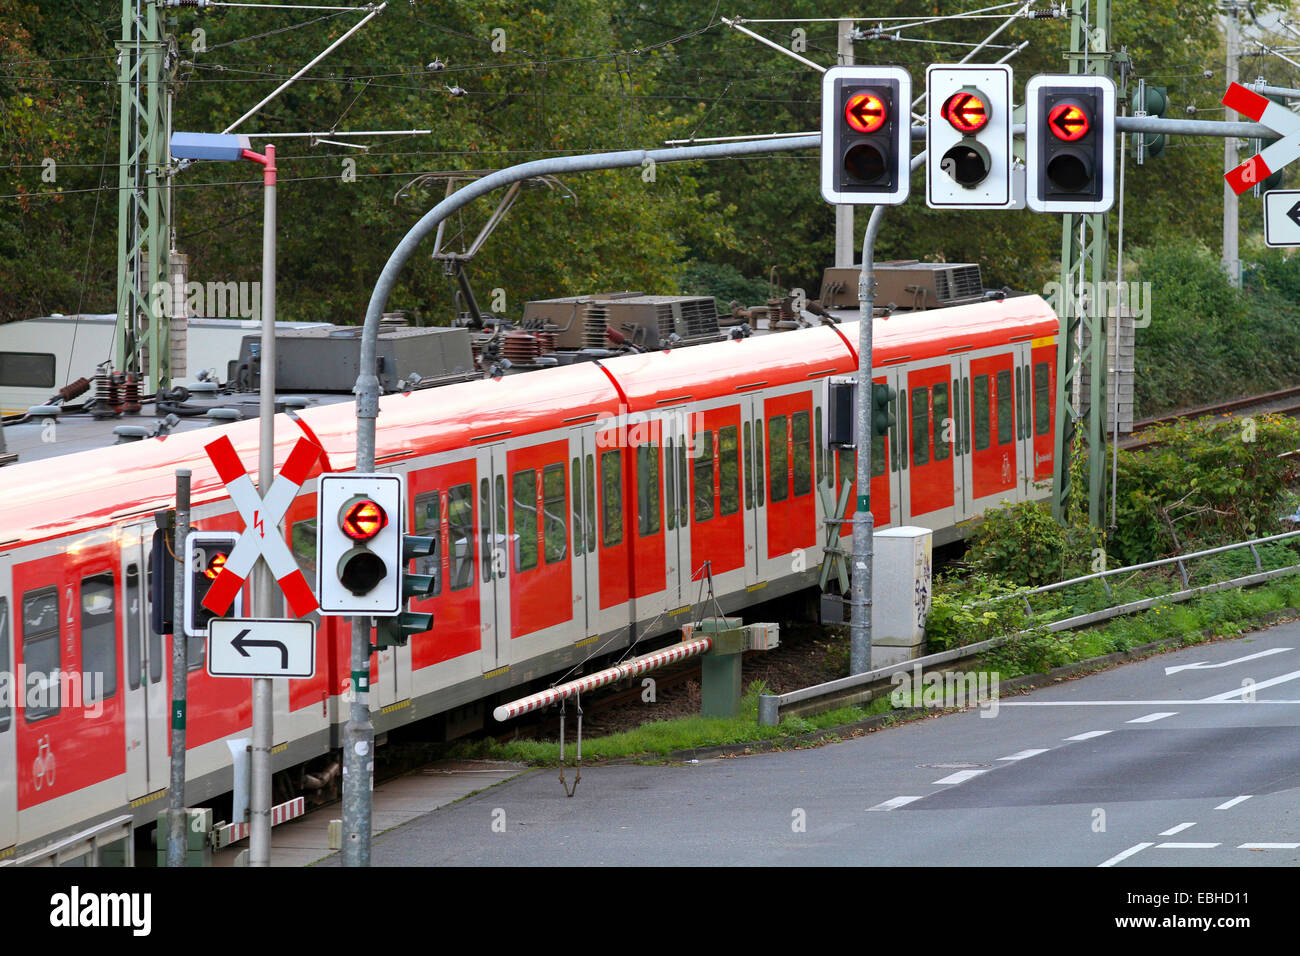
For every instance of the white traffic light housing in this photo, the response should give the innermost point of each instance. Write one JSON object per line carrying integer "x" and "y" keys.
{"x": 968, "y": 137}
{"x": 359, "y": 522}
{"x": 205, "y": 555}
{"x": 1070, "y": 143}
{"x": 866, "y": 135}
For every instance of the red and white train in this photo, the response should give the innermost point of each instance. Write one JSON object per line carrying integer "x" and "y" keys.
{"x": 611, "y": 481}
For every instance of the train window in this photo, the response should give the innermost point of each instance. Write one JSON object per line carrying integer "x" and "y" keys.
{"x": 920, "y": 425}
{"x": 778, "y": 461}
{"x": 524, "y": 486}
{"x": 749, "y": 467}
{"x": 1006, "y": 423}
{"x": 134, "y": 664}
{"x": 611, "y": 495}
{"x": 728, "y": 470}
{"x": 460, "y": 547}
{"x": 802, "y": 454}
{"x": 579, "y": 535}
{"x": 647, "y": 489}
{"x": 591, "y": 504}
{"x": 703, "y": 476}
{"x": 485, "y": 528}
{"x": 27, "y": 369}
{"x": 942, "y": 423}
{"x": 555, "y": 536}
{"x": 683, "y": 493}
{"x": 1042, "y": 399}
{"x": 821, "y": 450}
{"x": 41, "y": 652}
{"x": 302, "y": 538}
{"x": 982, "y": 422}
{"x": 670, "y": 484}
{"x": 759, "y": 487}
{"x": 98, "y": 638}
{"x": 428, "y": 524}
{"x": 499, "y": 560}
{"x": 4, "y": 665}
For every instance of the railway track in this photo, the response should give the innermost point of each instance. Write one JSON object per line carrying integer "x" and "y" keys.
{"x": 1284, "y": 401}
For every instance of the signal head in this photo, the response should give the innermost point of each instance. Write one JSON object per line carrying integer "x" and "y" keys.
{"x": 866, "y": 112}
{"x": 1069, "y": 121}
{"x": 214, "y": 565}
{"x": 967, "y": 111}
{"x": 361, "y": 518}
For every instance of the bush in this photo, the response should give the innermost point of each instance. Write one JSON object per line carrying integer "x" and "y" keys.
{"x": 725, "y": 283}
{"x": 1020, "y": 543}
{"x": 951, "y": 623}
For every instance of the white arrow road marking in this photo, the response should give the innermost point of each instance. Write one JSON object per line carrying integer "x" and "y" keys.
{"x": 1125, "y": 855}
{"x": 1178, "y": 829}
{"x": 893, "y": 804}
{"x": 1233, "y": 802}
{"x": 1228, "y": 695}
{"x": 1202, "y": 666}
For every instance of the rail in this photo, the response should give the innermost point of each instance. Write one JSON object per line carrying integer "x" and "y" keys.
{"x": 859, "y": 688}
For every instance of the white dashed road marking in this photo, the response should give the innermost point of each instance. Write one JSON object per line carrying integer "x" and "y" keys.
{"x": 1269, "y": 846}
{"x": 1024, "y": 753}
{"x": 961, "y": 776}
{"x": 1089, "y": 735}
{"x": 893, "y": 804}
{"x": 1233, "y": 802}
{"x": 1125, "y": 855}
{"x": 1186, "y": 846}
{"x": 1178, "y": 829}
{"x": 1152, "y": 717}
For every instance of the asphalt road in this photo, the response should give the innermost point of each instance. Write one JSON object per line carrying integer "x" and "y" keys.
{"x": 1132, "y": 767}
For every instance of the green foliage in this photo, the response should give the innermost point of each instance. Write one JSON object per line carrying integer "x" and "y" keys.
{"x": 1206, "y": 483}
{"x": 959, "y": 616}
{"x": 724, "y": 282}
{"x": 1038, "y": 651}
{"x": 1020, "y": 543}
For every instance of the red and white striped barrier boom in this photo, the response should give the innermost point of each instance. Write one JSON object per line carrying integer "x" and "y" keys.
{"x": 637, "y": 665}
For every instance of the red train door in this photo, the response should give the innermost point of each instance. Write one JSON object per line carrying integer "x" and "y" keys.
{"x": 494, "y": 557}
{"x": 929, "y": 465}
{"x": 1041, "y": 374}
{"x": 791, "y": 509}
{"x": 717, "y": 507}
{"x": 8, "y": 752}
{"x": 991, "y": 464}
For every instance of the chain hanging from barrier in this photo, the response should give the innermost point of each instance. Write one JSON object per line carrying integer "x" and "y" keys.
{"x": 577, "y": 701}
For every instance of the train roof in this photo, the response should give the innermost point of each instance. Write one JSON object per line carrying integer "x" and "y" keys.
{"x": 88, "y": 489}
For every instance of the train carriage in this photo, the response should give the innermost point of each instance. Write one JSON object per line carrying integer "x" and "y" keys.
{"x": 574, "y": 510}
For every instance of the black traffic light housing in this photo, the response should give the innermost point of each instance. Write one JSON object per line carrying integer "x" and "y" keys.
{"x": 396, "y": 631}
{"x": 1149, "y": 101}
{"x": 866, "y": 135}
{"x": 1070, "y": 143}
{"x": 882, "y": 408}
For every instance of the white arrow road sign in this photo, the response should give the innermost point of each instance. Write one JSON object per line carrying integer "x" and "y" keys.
{"x": 1202, "y": 666}
{"x": 261, "y": 648}
{"x": 1282, "y": 217}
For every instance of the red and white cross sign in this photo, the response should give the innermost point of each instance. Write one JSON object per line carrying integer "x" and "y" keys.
{"x": 1272, "y": 157}
{"x": 261, "y": 515}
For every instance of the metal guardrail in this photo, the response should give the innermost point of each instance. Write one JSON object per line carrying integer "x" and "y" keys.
{"x": 863, "y": 687}
{"x": 88, "y": 843}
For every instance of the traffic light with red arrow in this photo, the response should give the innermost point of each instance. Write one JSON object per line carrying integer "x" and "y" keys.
{"x": 968, "y": 137}
{"x": 1070, "y": 143}
{"x": 866, "y": 131}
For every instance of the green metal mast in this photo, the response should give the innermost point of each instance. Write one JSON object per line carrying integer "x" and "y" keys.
{"x": 146, "y": 58}
{"x": 1081, "y": 343}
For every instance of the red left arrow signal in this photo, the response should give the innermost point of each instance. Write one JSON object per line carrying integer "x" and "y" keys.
{"x": 865, "y": 112}
{"x": 967, "y": 112}
{"x": 1068, "y": 121}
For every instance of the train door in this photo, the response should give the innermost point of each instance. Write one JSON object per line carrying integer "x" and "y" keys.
{"x": 494, "y": 557}
{"x": 8, "y": 696}
{"x": 960, "y": 425}
{"x": 585, "y": 446}
{"x": 1024, "y": 419}
{"x": 929, "y": 486}
{"x": 676, "y": 432}
{"x": 889, "y": 504}
{"x": 717, "y": 513}
{"x": 990, "y": 468}
{"x": 145, "y": 671}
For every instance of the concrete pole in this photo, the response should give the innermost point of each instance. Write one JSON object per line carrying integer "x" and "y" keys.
{"x": 844, "y": 212}
{"x": 863, "y": 520}
{"x": 1231, "y": 259}
{"x": 176, "y": 831}
{"x": 259, "y": 840}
